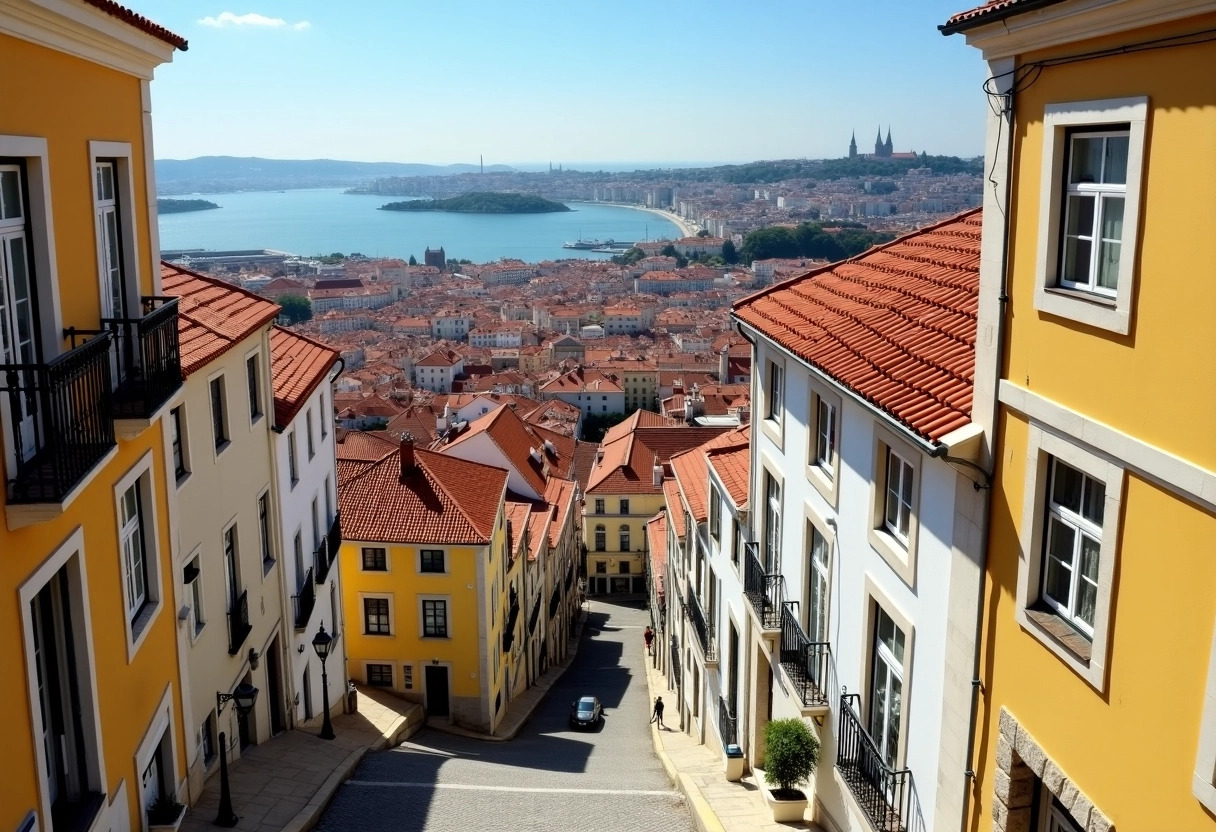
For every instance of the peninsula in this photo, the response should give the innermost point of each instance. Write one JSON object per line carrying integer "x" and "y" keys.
{"x": 178, "y": 206}
{"x": 482, "y": 203}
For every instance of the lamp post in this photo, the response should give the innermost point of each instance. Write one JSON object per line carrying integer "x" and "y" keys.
{"x": 244, "y": 696}
{"x": 322, "y": 642}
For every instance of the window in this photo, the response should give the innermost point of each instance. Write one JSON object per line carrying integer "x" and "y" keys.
{"x": 775, "y": 391}
{"x": 231, "y": 567}
{"x": 887, "y": 687}
{"x": 375, "y": 616}
{"x": 737, "y": 541}
{"x": 298, "y": 551}
{"x": 255, "y": 398}
{"x": 715, "y": 512}
{"x": 380, "y": 675}
{"x": 194, "y": 580}
{"x": 601, "y": 538}
{"x": 599, "y": 506}
{"x": 624, "y": 538}
{"x": 825, "y": 437}
{"x": 772, "y": 524}
{"x": 312, "y": 451}
{"x": 407, "y": 676}
{"x": 206, "y": 737}
{"x": 1089, "y": 210}
{"x": 219, "y": 418}
{"x": 292, "y": 469}
{"x": 176, "y": 440}
{"x": 135, "y": 568}
{"x": 431, "y": 560}
{"x": 623, "y": 567}
{"x": 324, "y": 417}
{"x": 1072, "y": 543}
{"x": 897, "y": 506}
{"x": 624, "y": 506}
{"x": 434, "y": 619}
{"x": 17, "y": 313}
{"x": 316, "y": 529}
{"x": 109, "y": 239}
{"x": 375, "y": 559}
{"x": 817, "y": 592}
{"x": 264, "y": 531}
{"x": 601, "y": 568}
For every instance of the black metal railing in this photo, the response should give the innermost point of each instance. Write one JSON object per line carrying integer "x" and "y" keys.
{"x": 321, "y": 561}
{"x": 59, "y": 422}
{"x": 238, "y": 622}
{"x": 704, "y": 629}
{"x": 303, "y": 603}
{"x": 675, "y": 660}
{"x": 728, "y": 723}
{"x": 149, "y": 358}
{"x": 327, "y": 551}
{"x": 765, "y": 590}
{"x": 334, "y": 538}
{"x": 806, "y": 662}
{"x": 885, "y": 795}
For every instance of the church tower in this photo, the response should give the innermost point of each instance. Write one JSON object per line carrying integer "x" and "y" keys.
{"x": 853, "y": 146}
{"x": 879, "y": 147}
{"x": 888, "y": 148}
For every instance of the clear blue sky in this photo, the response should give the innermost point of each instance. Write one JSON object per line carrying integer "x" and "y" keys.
{"x": 528, "y": 81}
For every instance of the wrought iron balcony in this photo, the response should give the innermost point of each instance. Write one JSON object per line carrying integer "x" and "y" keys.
{"x": 885, "y": 795}
{"x": 335, "y": 536}
{"x": 238, "y": 622}
{"x": 728, "y": 723}
{"x": 327, "y": 552}
{"x": 765, "y": 590}
{"x": 303, "y": 603}
{"x": 675, "y": 660}
{"x": 806, "y": 662}
{"x": 321, "y": 561}
{"x": 59, "y": 422}
{"x": 149, "y": 360}
{"x": 704, "y": 629}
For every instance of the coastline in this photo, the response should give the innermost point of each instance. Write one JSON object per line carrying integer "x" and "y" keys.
{"x": 687, "y": 229}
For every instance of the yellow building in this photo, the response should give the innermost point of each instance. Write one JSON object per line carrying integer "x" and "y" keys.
{"x": 88, "y": 359}
{"x": 1096, "y": 696}
{"x": 625, "y": 490}
{"x": 424, "y": 567}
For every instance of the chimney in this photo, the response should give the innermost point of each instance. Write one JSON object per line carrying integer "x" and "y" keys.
{"x": 657, "y": 474}
{"x": 724, "y": 365}
{"x": 407, "y": 455}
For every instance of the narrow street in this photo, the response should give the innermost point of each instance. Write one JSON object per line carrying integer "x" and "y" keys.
{"x": 550, "y": 776}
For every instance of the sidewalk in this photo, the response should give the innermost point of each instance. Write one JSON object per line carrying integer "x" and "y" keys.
{"x": 284, "y": 784}
{"x": 698, "y": 772}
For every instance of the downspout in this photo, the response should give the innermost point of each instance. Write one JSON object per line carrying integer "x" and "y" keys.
{"x": 1002, "y": 315}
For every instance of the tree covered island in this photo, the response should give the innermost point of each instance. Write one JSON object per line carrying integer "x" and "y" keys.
{"x": 482, "y": 203}
{"x": 178, "y": 206}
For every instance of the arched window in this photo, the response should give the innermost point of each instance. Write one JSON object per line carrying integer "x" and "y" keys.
{"x": 624, "y": 538}
{"x": 601, "y": 538}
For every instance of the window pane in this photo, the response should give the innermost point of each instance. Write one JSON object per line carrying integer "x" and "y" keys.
{"x": 1114, "y": 171}
{"x": 1112, "y": 242}
{"x": 1059, "y": 562}
{"x": 1066, "y": 487}
{"x": 893, "y": 716}
{"x": 1095, "y": 501}
{"x": 1086, "y": 159}
{"x": 10, "y": 194}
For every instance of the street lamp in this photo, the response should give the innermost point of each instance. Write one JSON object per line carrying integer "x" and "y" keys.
{"x": 322, "y": 642}
{"x": 244, "y": 696}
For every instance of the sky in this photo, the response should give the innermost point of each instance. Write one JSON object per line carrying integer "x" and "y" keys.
{"x": 569, "y": 81}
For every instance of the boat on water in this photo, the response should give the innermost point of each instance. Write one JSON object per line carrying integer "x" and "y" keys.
{"x": 586, "y": 245}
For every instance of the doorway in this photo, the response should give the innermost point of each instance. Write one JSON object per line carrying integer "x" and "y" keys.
{"x": 274, "y": 686}
{"x": 437, "y": 691}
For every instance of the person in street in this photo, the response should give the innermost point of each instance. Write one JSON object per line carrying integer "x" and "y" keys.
{"x": 658, "y": 713}
{"x": 648, "y": 637}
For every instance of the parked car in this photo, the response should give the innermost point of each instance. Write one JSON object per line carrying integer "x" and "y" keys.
{"x": 585, "y": 712}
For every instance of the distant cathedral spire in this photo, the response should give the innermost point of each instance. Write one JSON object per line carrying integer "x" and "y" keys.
{"x": 888, "y": 147}
{"x": 853, "y": 146}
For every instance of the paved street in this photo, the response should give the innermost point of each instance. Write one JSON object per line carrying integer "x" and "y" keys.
{"x": 550, "y": 777}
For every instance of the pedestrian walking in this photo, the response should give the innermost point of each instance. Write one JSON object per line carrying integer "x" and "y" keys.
{"x": 648, "y": 637}
{"x": 658, "y": 713}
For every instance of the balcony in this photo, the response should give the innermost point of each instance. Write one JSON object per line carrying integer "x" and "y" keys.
{"x": 703, "y": 629}
{"x": 321, "y": 561}
{"x": 728, "y": 723}
{"x": 765, "y": 590}
{"x": 303, "y": 603}
{"x": 806, "y": 662}
{"x": 60, "y": 414}
{"x": 149, "y": 361}
{"x": 884, "y": 795}
{"x": 238, "y": 623}
{"x": 327, "y": 552}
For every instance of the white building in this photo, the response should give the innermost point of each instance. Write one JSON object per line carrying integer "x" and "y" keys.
{"x": 453, "y": 326}
{"x": 591, "y": 391}
{"x": 437, "y": 370}
{"x": 497, "y": 336}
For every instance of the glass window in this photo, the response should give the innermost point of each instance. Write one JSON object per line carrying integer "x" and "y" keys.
{"x": 775, "y": 390}
{"x": 135, "y": 567}
{"x": 435, "y": 619}
{"x": 624, "y": 506}
{"x": 255, "y": 398}
{"x": 1073, "y": 540}
{"x": 312, "y": 451}
{"x": 375, "y": 616}
{"x": 624, "y": 538}
{"x": 176, "y": 434}
{"x": 219, "y": 419}
{"x": 196, "y": 596}
{"x": 1094, "y": 198}
{"x": 886, "y": 694}
{"x": 772, "y": 525}
{"x": 323, "y": 416}
{"x": 715, "y": 512}
{"x": 264, "y": 530}
{"x": 601, "y": 539}
{"x": 375, "y": 559}
{"x": 292, "y": 469}
{"x": 825, "y": 436}
{"x": 817, "y": 614}
{"x": 431, "y": 560}
{"x": 897, "y": 512}
{"x": 380, "y": 675}
{"x": 599, "y": 506}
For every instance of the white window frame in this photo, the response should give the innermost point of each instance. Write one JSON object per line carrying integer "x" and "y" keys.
{"x": 1042, "y": 446}
{"x": 816, "y": 524}
{"x": 259, "y": 396}
{"x": 874, "y": 598}
{"x": 448, "y": 619}
{"x": 1050, "y": 296}
{"x": 897, "y": 495}
{"x": 772, "y": 513}
{"x": 198, "y": 618}
{"x": 142, "y": 473}
{"x": 824, "y": 477}
{"x": 124, "y": 202}
{"x": 899, "y": 552}
{"x": 218, "y": 447}
{"x": 293, "y": 464}
{"x": 442, "y": 551}
{"x": 388, "y": 566}
{"x": 1080, "y": 526}
{"x": 160, "y": 738}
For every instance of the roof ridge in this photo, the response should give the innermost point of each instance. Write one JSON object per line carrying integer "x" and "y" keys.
{"x": 219, "y": 284}
{"x": 447, "y": 493}
{"x": 304, "y": 337}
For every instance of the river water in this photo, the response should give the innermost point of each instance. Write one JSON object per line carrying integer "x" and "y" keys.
{"x": 325, "y": 220}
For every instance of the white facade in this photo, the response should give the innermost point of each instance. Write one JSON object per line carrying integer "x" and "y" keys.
{"x": 499, "y": 337}
{"x": 452, "y": 327}
{"x": 437, "y": 377}
{"x": 593, "y": 402}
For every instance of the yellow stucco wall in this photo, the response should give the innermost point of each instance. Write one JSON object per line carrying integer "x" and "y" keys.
{"x": 641, "y": 508}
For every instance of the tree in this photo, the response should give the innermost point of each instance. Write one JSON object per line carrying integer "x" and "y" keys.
{"x": 413, "y": 260}
{"x": 729, "y": 255}
{"x": 791, "y": 756}
{"x": 669, "y": 250}
{"x": 295, "y": 309}
{"x": 765, "y": 243}
{"x": 704, "y": 232}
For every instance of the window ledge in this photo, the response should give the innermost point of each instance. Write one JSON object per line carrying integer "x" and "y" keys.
{"x": 267, "y": 565}
{"x": 222, "y": 446}
{"x": 896, "y": 553}
{"x": 772, "y": 428}
{"x": 1050, "y": 622}
{"x": 1064, "y": 641}
{"x": 823, "y": 482}
{"x": 1082, "y": 295}
{"x": 1084, "y": 307}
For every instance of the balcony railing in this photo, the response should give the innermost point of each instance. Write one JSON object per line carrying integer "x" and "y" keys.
{"x": 704, "y": 629}
{"x": 327, "y": 552}
{"x": 303, "y": 603}
{"x": 149, "y": 360}
{"x": 885, "y": 795}
{"x": 59, "y": 420}
{"x": 728, "y": 723}
{"x": 806, "y": 662}
{"x": 238, "y": 623}
{"x": 320, "y": 562}
{"x": 335, "y": 536}
{"x": 765, "y": 590}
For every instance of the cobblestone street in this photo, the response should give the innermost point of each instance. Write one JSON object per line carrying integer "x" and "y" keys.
{"x": 550, "y": 776}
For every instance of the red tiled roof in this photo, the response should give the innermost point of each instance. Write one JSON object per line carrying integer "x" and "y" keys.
{"x": 559, "y": 494}
{"x": 212, "y": 316}
{"x": 671, "y": 495}
{"x": 432, "y": 503}
{"x": 656, "y": 536}
{"x": 509, "y": 433}
{"x": 139, "y": 22}
{"x": 730, "y": 457}
{"x": 298, "y": 365}
{"x": 692, "y": 477}
{"x": 896, "y": 325}
{"x": 990, "y": 11}
{"x": 628, "y": 463}
{"x": 358, "y": 446}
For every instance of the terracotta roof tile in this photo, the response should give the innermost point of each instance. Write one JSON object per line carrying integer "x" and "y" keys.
{"x": 358, "y": 446}
{"x": 692, "y": 477}
{"x": 432, "y": 503}
{"x": 627, "y": 466}
{"x": 671, "y": 495}
{"x": 656, "y": 536}
{"x": 298, "y": 366}
{"x": 990, "y": 11}
{"x": 896, "y": 325}
{"x": 509, "y": 433}
{"x": 139, "y": 22}
{"x": 212, "y": 316}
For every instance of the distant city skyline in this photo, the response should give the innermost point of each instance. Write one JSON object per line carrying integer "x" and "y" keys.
{"x": 521, "y": 84}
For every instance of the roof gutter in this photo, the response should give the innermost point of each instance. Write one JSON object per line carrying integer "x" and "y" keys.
{"x": 1014, "y": 8}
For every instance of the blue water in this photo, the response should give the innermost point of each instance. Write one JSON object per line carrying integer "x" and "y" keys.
{"x": 326, "y": 220}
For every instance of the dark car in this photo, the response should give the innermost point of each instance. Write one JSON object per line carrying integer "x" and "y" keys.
{"x": 585, "y": 712}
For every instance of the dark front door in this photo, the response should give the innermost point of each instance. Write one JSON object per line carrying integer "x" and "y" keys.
{"x": 437, "y": 691}
{"x": 274, "y": 687}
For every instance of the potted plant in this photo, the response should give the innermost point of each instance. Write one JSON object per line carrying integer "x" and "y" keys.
{"x": 165, "y": 814}
{"x": 790, "y": 758}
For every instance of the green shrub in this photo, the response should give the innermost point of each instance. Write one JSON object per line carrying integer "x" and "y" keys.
{"x": 790, "y": 756}
{"x": 164, "y": 810}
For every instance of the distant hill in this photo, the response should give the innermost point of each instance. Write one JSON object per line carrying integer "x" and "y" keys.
{"x": 482, "y": 203}
{"x": 179, "y": 206}
{"x": 218, "y": 174}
